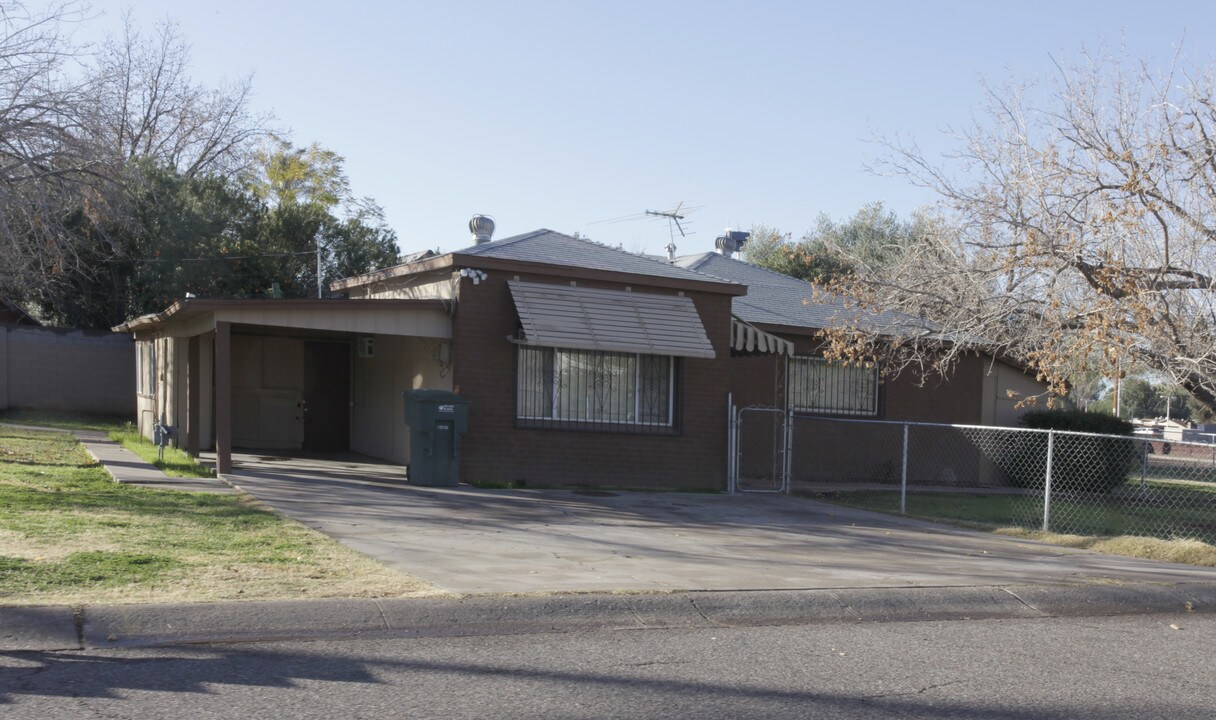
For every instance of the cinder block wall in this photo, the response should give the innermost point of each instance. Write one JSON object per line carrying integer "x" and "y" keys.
{"x": 73, "y": 370}
{"x": 496, "y": 449}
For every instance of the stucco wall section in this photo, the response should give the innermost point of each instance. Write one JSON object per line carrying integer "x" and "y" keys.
{"x": 1004, "y": 387}
{"x": 73, "y": 370}
{"x": 439, "y": 285}
{"x": 378, "y": 413}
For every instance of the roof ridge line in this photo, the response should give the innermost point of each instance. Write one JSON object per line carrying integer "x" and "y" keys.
{"x": 770, "y": 271}
{"x": 505, "y": 241}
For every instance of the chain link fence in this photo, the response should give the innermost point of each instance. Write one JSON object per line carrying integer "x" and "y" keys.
{"x": 1063, "y": 482}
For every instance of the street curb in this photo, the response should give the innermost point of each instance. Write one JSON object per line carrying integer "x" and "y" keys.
{"x": 60, "y": 627}
{"x": 39, "y": 628}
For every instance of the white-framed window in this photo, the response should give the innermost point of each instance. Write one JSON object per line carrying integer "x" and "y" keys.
{"x": 145, "y": 381}
{"x": 818, "y": 386}
{"x": 591, "y": 386}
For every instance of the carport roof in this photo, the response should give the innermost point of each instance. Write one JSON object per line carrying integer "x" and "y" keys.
{"x": 287, "y": 313}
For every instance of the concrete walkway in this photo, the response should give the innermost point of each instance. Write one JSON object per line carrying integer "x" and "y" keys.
{"x": 127, "y": 467}
{"x": 511, "y": 541}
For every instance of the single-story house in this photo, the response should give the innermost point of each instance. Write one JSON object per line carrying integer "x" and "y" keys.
{"x": 582, "y": 364}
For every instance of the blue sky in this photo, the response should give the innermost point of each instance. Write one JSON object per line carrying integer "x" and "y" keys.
{"x": 565, "y": 114}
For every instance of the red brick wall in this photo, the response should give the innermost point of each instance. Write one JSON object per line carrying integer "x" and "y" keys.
{"x": 496, "y": 450}
{"x": 957, "y": 399}
{"x": 760, "y": 380}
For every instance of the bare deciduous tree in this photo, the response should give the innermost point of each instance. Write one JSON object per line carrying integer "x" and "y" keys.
{"x": 77, "y": 130}
{"x": 44, "y": 163}
{"x": 143, "y": 104}
{"x": 1073, "y": 229}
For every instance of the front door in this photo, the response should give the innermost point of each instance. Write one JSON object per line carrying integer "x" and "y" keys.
{"x": 326, "y": 404}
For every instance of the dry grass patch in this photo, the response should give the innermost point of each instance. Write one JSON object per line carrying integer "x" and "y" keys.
{"x": 1189, "y": 552}
{"x": 69, "y": 534}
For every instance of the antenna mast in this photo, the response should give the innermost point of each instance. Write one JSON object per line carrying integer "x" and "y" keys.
{"x": 673, "y": 216}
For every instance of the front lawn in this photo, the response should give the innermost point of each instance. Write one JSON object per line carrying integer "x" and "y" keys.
{"x": 70, "y": 534}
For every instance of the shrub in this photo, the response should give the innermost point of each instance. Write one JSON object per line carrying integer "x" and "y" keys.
{"x": 1076, "y": 421}
{"x": 1079, "y": 463}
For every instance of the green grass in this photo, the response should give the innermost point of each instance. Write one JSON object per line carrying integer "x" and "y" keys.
{"x": 64, "y": 420}
{"x": 69, "y": 533}
{"x": 82, "y": 569}
{"x": 175, "y": 463}
{"x": 974, "y": 510}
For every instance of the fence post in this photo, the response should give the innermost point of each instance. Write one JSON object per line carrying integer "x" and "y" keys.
{"x": 1051, "y": 436}
{"x": 789, "y": 450}
{"x": 903, "y": 480}
{"x": 732, "y": 432}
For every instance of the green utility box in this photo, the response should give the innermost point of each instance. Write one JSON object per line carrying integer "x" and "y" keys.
{"x": 436, "y": 419}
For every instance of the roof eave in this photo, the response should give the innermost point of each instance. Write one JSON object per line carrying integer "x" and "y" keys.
{"x": 433, "y": 263}
{"x": 725, "y": 287}
{"x": 203, "y": 305}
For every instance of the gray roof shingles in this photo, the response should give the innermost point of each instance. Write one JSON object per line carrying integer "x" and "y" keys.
{"x": 554, "y": 248}
{"x": 776, "y": 299}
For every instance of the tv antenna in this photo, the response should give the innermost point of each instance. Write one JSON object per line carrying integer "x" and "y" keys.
{"x": 673, "y": 216}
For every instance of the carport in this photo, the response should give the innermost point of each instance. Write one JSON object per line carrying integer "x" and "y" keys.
{"x": 288, "y": 375}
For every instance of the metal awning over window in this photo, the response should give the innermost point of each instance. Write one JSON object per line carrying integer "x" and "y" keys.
{"x": 610, "y": 320}
{"x": 746, "y": 338}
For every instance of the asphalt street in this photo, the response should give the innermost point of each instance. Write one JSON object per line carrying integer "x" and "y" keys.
{"x": 1076, "y": 668}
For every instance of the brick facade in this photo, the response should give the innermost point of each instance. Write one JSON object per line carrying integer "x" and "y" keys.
{"x": 496, "y": 449}
{"x": 760, "y": 380}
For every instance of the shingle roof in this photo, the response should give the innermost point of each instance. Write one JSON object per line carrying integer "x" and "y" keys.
{"x": 554, "y": 248}
{"x": 776, "y": 299}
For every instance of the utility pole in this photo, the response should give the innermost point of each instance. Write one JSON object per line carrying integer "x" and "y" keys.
{"x": 318, "y": 239}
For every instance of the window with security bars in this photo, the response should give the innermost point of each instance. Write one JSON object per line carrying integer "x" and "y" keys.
{"x": 828, "y": 388}
{"x": 595, "y": 389}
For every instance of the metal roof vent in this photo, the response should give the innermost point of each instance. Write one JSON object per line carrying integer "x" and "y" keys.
{"x": 731, "y": 241}
{"x": 482, "y": 227}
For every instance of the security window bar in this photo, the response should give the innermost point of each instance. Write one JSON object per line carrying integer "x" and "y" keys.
{"x": 593, "y": 388}
{"x": 827, "y": 388}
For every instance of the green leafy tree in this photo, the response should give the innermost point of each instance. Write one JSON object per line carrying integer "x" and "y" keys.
{"x": 1139, "y": 399}
{"x": 289, "y": 175}
{"x": 873, "y": 237}
{"x": 309, "y": 205}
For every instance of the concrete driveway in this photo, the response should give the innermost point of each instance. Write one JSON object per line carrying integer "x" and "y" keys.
{"x": 477, "y": 541}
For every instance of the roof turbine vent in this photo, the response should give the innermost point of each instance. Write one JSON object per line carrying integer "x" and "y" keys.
{"x": 731, "y": 241}
{"x": 482, "y": 227}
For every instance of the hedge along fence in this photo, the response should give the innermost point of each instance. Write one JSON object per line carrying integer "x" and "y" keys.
{"x": 1087, "y": 452}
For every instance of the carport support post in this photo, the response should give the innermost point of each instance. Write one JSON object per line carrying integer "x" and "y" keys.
{"x": 223, "y": 398}
{"x": 193, "y": 378}
{"x": 903, "y": 480}
{"x": 1051, "y": 441}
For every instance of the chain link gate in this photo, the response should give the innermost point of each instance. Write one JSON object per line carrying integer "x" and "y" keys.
{"x": 759, "y": 450}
